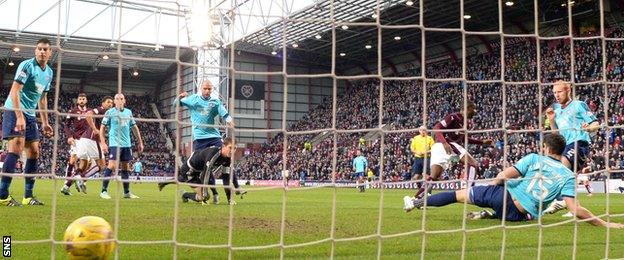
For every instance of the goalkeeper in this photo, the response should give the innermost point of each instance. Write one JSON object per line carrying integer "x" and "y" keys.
{"x": 202, "y": 162}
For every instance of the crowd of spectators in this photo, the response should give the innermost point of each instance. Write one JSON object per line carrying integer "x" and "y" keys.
{"x": 514, "y": 106}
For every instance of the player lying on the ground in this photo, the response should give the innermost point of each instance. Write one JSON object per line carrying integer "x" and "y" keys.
{"x": 534, "y": 180}
{"x": 200, "y": 163}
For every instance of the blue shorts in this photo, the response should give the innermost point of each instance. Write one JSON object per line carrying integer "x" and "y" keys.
{"x": 581, "y": 155}
{"x": 125, "y": 153}
{"x": 418, "y": 166}
{"x": 359, "y": 174}
{"x": 8, "y": 127}
{"x": 491, "y": 196}
{"x": 207, "y": 142}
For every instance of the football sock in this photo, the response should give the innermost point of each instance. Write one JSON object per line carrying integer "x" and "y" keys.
{"x": 235, "y": 181}
{"x": 424, "y": 187}
{"x": 226, "y": 182}
{"x": 93, "y": 170}
{"x": 107, "y": 173}
{"x": 441, "y": 199}
{"x": 29, "y": 182}
{"x": 472, "y": 174}
{"x": 69, "y": 182}
{"x": 8, "y": 167}
{"x": 125, "y": 175}
{"x": 69, "y": 169}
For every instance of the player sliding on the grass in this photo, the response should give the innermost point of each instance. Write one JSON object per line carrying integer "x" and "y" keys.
{"x": 200, "y": 163}
{"x": 449, "y": 145}
{"x": 534, "y": 180}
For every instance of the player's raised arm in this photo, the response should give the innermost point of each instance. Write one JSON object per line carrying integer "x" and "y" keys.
{"x": 184, "y": 100}
{"x": 550, "y": 113}
{"x": 480, "y": 141}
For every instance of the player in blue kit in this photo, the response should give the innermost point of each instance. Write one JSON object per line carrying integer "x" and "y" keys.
{"x": 19, "y": 125}
{"x": 203, "y": 109}
{"x": 574, "y": 121}
{"x": 138, "y": 168}
{"x": 360, "y": 166}
{"x": 532, "y": 183}
{"x": 119, "y": 121}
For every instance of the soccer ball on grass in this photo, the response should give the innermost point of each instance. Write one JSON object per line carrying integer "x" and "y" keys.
{"x": 80, "y": 234}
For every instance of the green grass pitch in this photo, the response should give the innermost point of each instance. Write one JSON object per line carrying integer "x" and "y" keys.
{"x": 257, "y": 221}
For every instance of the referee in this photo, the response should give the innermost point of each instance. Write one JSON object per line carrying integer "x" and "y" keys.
{"x": 421, "y": 148}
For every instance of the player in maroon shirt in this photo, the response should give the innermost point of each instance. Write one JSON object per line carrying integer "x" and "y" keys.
{"x": 87, "y": 148}
{"x": 449, "y": 146}
{"x": 75, "y": 126}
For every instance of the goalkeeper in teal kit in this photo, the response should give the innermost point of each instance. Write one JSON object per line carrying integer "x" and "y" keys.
{"x": 534, "y": 180}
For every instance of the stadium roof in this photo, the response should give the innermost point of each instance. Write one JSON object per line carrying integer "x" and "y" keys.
{"x": 85, "y": 59}
{"x": 145, "y": 29}
{"x": 89, "y": 29}
{"x": 311, "y": 32}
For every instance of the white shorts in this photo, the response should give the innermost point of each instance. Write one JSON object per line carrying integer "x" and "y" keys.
{"x": 582, "y": 177}
{"x": 441, "y": 158}
{"x": 72, "y": 149}
{"x": 88, "y": 149}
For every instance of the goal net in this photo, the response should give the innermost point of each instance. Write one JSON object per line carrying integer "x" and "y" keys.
{"x": 376, "y": 72}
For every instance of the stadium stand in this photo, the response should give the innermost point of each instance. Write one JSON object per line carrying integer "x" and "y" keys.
{"x": 358, "y": 109}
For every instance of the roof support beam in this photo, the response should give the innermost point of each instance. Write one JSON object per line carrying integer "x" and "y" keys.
{"x": 521, "y": 27}
{"x": 417, "y": 56}
{"x": 451, "y": 53}
{"x": 92, "y": 18}
{"x": 392, "y": 66}
{"x": 142, "y": 7}
{"x": 41, "y": 15}
{"x": 485, "y": 42}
